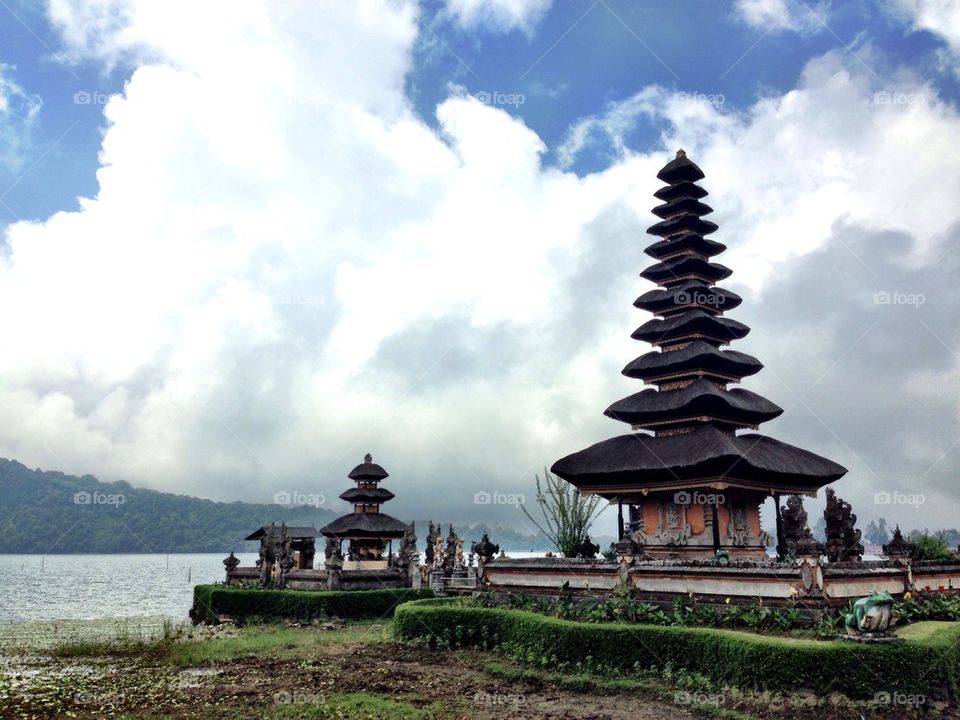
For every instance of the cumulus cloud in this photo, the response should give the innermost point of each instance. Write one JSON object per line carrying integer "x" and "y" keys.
{"x": 940, "y": 18}
{"x": 781, "y": 15}
{"x": 284, "y": 267}
{"x": 499, "y": 15}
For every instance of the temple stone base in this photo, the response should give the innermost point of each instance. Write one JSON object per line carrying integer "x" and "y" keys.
{"x": 374, "y": 579}
{"x": 365, "y": 564}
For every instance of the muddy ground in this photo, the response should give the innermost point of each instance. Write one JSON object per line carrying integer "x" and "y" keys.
{"x": 426, "y": 683}
{"x": 360, "y": 673}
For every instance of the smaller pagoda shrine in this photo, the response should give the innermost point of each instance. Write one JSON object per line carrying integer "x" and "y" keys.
{"x": 370, "y": 532}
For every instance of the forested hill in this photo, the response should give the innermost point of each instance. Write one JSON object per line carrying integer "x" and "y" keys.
{"x": 50, "y": 512}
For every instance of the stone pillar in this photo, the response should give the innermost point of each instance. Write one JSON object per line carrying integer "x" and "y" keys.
{"x": 334, "y": 566}
{"x": 333, "y": 579}
{"x": 436, "y": 582}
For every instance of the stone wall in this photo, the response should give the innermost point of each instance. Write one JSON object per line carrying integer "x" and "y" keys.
{"x": 814, "y": 583}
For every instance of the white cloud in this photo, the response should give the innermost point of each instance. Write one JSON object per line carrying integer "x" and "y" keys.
{"x": 779, "y": 15}
{"x": 284, "y": 267}
{"x": 499, "y": 15}
{"x": 18, "y": 113}
{"x": 935, "y": 16}
{"x": 793, "y": 165}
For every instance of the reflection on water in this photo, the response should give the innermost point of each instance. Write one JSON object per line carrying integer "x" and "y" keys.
{"x": 54, "y": 587}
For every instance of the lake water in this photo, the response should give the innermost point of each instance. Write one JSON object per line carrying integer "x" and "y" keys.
{"x": 95, "y": 587}
{"x": 84, "y": 587}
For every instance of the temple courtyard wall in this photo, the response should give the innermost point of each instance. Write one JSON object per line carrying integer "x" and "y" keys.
{"x": 322, "y": 580}
{"x": 813, "y": 583}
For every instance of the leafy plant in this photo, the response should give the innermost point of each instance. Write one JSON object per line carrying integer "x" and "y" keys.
{"x": 567, "y": 515}
{"x": 929, "y": 546}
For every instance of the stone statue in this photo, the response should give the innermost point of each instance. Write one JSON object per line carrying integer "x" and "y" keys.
{"x": 431, "y": 542}
{"x": 268, "y": 554}
{"x": 459, "y": 566}
{"x": 797, "y": 538}
{"x": 843, "y": 538}
{"x": 450, "y": 553}
{"x": 286, "y": 556}
{"x": 897, "y": 547}
{"x": 587, "y": 549}
{"x": 332, "y": 545}
{"x": 408, "y": 548}
{"x": 334, "y": 561}
{"x": 231, "y": 562}
{"x": 485, "y": 550}
{"x": 438, "y": 552}
{"x": 871, "y": 616}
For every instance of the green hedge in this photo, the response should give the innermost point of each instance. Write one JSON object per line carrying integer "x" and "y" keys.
{"x": 927, "y": 663}
{"x": 210, "y": 601}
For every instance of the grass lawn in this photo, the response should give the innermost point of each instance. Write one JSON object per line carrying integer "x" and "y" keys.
{"x": 271, "y": 641}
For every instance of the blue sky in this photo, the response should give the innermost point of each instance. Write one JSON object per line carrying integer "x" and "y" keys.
{"x": 582, "y": 55}
{"x": 311, "y": 230}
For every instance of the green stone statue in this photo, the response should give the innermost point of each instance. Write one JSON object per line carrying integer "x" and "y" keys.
{"x": 871, "y": 614}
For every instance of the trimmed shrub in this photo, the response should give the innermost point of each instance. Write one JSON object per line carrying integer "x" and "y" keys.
{"x": 211, "y": 601}
{"x": 927, "y": 664}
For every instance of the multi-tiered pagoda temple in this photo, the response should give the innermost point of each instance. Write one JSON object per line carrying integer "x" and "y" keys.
{"x": 691, "y": 484}
{"x": 368, "y": 530}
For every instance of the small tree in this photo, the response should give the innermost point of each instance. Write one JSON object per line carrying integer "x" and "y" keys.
{"x": 930, "y": 546}
{"x": 567, "y": 515}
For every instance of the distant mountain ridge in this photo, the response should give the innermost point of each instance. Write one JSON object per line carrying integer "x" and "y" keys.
{"x": 51, "y": 512}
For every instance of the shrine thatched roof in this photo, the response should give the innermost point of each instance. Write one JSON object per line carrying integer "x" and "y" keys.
{"x": 366, "y": 525}
{"x": 701, "y": 398}
{"x": 293, "y": 531}
{"x": 638, "y": 461}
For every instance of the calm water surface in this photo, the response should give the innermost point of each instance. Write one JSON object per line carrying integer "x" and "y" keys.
{"x": 85, "y": 587}
{"x": 98, "y": 587}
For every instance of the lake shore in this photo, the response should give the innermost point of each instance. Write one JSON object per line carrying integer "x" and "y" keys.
{"x": 328, "y": 670}
{"x": 331, "y": 669}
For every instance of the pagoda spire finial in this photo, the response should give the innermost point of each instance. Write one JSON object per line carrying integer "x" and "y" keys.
{"x": 681, "y": 153}
{"x": 368, "y": 458}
